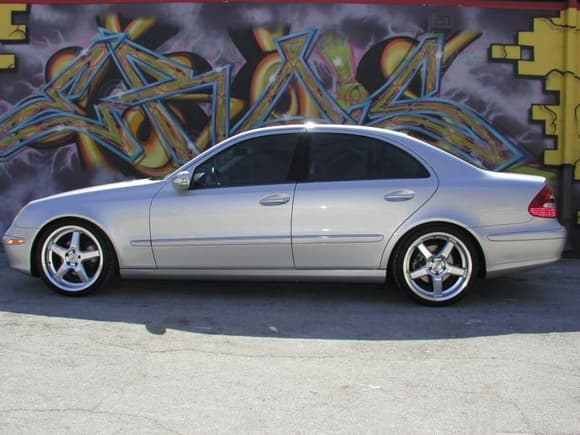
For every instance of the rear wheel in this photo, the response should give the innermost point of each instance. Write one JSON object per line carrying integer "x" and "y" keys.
{"x": 74, "y": 258}
{"x": 436, "y": 265}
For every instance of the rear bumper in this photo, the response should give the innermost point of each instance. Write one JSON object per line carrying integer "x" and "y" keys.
{"x": 19, "y": 255}
{"x": 509, "y": 250}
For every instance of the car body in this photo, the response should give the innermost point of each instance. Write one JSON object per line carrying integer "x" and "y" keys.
{"x": 298, "y": 202}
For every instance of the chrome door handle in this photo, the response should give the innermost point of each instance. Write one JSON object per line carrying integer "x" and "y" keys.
{"x": 275, "y": 199}
{"x": 400, "y": 195}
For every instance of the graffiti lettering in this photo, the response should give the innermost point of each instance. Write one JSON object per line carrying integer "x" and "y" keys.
{"x": 293, "y": 50}
{"x": 123, "y": 102}
{"x": 10, "y": 32}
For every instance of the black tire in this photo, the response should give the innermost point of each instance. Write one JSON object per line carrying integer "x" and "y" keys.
{"x": 74, "y": 258}
{"x": 435, "y": 264}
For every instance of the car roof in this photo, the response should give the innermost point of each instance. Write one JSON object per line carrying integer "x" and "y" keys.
{"x": 313, "y": 126}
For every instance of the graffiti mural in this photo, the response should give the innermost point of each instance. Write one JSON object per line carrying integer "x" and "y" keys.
{"x": 560, "y": 71}
{"x": 555, "y": 43}
{"x": 150, "y": 89}
{"x": 137, "y": 90}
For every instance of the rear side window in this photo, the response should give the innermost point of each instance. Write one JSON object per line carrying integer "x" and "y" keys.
{"x": 342, "y": 157}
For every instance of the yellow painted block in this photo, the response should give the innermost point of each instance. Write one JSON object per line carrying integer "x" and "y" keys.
{"x": 7, "y": 61}
{"x": 8, "y": 30}
{"x": 547, "y": 42}
{"x": 577, "y": 114}
{"x": 499, "y": 51}
{"x": 550, "y": 115}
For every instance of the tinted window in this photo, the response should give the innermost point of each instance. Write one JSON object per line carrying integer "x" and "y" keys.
{"x": 339, "y": 157}
{"x": 264, "y": 160}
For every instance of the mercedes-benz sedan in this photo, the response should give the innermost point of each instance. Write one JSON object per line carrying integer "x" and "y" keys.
{"x": 309, "y": 202}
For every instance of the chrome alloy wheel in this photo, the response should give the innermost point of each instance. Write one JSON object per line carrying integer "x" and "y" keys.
{"x": 72, "y": 258}
{"x": 437, "y": 266}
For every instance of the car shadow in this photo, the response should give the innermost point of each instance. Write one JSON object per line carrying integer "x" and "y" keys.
{"x": 545, "y": 300}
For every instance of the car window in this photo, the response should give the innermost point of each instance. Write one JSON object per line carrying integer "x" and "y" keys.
{"x": 263, "y": 160}
{"x": 341, "y": 157}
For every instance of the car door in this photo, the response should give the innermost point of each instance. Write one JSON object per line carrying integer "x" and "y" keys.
{"x": 358, "y": 190}
{"x": 236, "y": 213}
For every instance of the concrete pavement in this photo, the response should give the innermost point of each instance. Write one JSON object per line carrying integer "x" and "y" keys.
{"x": 189, "y": 357}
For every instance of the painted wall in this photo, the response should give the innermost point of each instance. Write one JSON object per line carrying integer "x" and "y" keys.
{"x": 96, "y": 93}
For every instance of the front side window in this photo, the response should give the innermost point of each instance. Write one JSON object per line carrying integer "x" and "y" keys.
{"x": 263, "y": 160}
{"x": 342, "y": 157}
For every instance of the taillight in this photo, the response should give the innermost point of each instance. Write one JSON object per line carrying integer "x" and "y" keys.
{"x": 544, "y": 204}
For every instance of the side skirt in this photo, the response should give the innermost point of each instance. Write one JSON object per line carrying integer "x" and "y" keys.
{"x": 340, "y": 275}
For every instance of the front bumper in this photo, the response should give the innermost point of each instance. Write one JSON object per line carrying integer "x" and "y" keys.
{"x": 19, "y": 255}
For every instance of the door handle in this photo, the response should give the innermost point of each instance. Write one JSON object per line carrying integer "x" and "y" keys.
{"x": 400, "y": 195}
{"x": 275, "y": 199}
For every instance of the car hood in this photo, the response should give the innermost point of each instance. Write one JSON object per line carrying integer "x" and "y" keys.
{"x": 102, "y": 190}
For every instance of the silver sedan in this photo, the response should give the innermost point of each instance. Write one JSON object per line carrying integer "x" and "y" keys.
{"x": 302, "y": 202}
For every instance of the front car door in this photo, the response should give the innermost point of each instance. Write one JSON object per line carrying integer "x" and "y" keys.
{"x": 358, "y": 190}
{"x": 237, "y": 213}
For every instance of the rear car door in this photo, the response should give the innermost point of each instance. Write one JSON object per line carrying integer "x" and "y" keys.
{"x": 357, "y": 191}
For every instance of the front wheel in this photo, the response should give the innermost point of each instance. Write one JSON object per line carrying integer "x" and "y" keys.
{"x": 435, "y": 265}
{"x": 74, "y": 258}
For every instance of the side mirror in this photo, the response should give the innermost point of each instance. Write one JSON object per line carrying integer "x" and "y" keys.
{"x": 181, "y": 180}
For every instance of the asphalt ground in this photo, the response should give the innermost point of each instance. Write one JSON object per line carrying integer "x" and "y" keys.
{"x": 147, "y": 357}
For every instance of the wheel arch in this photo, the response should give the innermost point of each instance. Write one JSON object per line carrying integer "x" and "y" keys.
{"x": 466, "y": 231}
{"x": 68, "y": 219}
